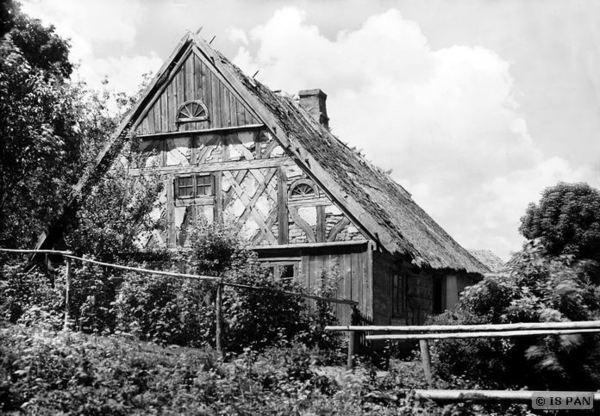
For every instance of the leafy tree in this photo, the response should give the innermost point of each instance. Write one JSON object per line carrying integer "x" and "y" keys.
{"x": 37, "y": 127}
{"x": 51, "y": 129}
{"x": 109, "y": 221}
{"x": 567, "y": 220}
{"x": 534, "y": 288}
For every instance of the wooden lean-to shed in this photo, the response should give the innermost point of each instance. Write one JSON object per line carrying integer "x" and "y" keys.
{"x": 229, "y": 149}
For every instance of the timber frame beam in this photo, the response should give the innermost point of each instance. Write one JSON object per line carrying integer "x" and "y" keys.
{"x": 212, "y": 167}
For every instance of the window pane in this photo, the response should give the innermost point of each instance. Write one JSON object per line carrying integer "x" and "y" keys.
{"x": 303, "y": 189}
{"x": 287, "y": 271}
{"x": 203, "y": 185}
{"x": 186, "y": 186}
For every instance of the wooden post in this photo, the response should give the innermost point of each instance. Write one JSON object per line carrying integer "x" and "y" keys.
{"x": 67, "y": 292}
{"x": 426, "y": 359}
{"x": 351, "y": 340}
{"x": 218, "y": 312}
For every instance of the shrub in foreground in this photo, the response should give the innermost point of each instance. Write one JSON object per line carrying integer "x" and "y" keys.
{"x": 535, "y": 288}
{"x": 43, "y": 372}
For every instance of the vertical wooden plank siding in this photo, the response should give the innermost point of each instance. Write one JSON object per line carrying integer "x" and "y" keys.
{"x": 240, "y": 114}
{"x": 223, "y": 106}
{"x": 197, "y": 78}
{"x": 174, "y": 103}
{"x": 355, "y": 278}
{"x": 164, "y": 112}
{"x": 347, "y": 273}
{"x": 214, "y": 86}
{"x": 207, "y": 92}
{"x": 305, "y": 263}
{"x": 368, "y": 294}
{"x": 232, "y": 110}
{"x": 194, "y": 79}
{"x": 183, "y": 92}
{"x": 190, "y": 93}
{"x": 150, "y": 118}
{"x": 353, "y": 284}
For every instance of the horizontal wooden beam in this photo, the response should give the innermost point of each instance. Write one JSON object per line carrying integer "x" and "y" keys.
{"x": 213, "y": 167}
{"x": 311, "y": 245}
{"x": 200, "y": 132}
{"x": 474, "y": 328}
{"x": 487, "y": 334}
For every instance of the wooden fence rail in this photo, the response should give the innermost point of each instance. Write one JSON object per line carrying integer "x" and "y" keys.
{"x": 217, "y": 280}
{"x": 468, "y": 328}
{"x": 489, "y": 334}
{"x": 428, "y": 332}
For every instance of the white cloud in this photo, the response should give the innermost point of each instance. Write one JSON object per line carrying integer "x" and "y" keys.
{"x": 96, "y": 27}
{"x": 237, "y": 35}
{"x": 123, "y": 73}
{"x": 108, "y": 21}
{"x": 447, "y": 120}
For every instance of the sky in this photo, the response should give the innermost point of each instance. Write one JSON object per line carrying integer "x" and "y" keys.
{"x": 475, "y": 106}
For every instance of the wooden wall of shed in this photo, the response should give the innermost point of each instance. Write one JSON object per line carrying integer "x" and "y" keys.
{"x": 418, "y": 293}
{"x": 420, "y": 296}
{"x": 349, "y": 265}
{"x": 352, "y": 271}
{"x": 194, "y": 79}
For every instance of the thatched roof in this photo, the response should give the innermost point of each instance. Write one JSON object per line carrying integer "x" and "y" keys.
{"x": 489, "y": 258}
{"x": 413, "y": 231}
{"x": 377, "y": 204}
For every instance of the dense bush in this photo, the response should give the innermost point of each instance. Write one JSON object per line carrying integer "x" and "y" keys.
{"x": 43, "y": 372}
{"x": 172, "y": 311}
{"x": 27, "y": 295}
{"x": 535, "y": 288}
{"x": 166, "y": 310}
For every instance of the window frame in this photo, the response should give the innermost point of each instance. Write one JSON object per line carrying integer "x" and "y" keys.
{"x": 278, "y": 266}
{"x": 305, "y": 182}
{"x": 194, "y": 195}
{"x": 189, "y": 103}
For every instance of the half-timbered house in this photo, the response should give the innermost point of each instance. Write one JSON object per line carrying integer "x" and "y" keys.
{"x": 230, "y": 149}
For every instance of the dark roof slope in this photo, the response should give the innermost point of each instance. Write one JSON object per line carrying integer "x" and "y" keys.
{"x": 415, "y": 232}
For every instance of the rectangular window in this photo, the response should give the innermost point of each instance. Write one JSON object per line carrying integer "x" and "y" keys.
{"x": 185, "y": 186}
{"x": 284, "y": 270}
{"x": 192, "y": 186}
{"x": 204, "y": 185}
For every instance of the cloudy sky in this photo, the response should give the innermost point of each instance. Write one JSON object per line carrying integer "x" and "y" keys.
{"x": 477, "y": 106}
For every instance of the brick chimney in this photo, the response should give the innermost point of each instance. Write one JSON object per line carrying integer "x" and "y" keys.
{"x": 313, "y": 102}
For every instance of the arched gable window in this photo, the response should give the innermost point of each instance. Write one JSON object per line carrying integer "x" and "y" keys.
{"x": 302, "y": 189}
{"x": 190, "y": 111}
